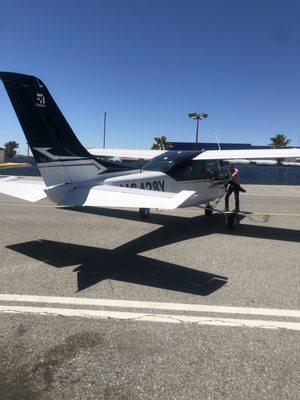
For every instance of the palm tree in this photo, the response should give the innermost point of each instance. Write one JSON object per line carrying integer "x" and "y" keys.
{"x": 279, "y": 141}
{"x": 160, "y": 143}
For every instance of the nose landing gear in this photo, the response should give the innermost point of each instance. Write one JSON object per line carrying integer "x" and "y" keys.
{"x": 144, "y": 213}
{"x": 208, "y": 210}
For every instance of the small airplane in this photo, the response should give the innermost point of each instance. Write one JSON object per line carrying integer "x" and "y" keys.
{"x": 72, "y": 176}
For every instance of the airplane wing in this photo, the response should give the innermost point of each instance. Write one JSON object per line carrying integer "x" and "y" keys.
{"x": 254, "y": 154}
{"x": 26, "y": 189}
{"x": 126, "y": 153}
{"x": 115, "y": 196}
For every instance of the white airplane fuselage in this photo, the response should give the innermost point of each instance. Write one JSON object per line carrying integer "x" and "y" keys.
{"x": 205, "y": 190}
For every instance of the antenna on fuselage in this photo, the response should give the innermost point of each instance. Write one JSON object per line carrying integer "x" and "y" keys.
{"x": 219, "y": 147}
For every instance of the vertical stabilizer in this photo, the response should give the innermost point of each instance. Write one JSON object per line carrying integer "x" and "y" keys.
{"x": 58, "y": 153}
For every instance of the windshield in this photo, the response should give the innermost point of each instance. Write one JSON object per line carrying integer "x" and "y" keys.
{"x": 158, "y": 165}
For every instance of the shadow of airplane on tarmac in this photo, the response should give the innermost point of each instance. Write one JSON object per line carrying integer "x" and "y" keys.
{"x": 125, "y": 263}
{"x": 120, "y": 264}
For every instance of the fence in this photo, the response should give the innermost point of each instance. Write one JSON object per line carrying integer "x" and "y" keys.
{"x": 270, "y": 175}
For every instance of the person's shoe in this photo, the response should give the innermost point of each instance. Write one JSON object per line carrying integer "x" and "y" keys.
{"x": 236, "y": 210}
{"x": 226, "y": 209}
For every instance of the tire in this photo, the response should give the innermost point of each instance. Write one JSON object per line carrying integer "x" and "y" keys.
{"x": 231, "y": 221}
{"x": 208, "y": 212}
{"x": 144, "y": 213}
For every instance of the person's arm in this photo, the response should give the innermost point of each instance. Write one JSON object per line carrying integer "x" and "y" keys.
{"x": 234, "y": 174}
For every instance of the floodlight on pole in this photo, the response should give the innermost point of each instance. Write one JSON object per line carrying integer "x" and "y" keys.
{"x": 197, "y": 117}
{"x": 104, "y": 129}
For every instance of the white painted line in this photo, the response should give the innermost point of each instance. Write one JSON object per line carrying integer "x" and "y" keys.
{"x": 150, "y": 305}
{"x": 71, "y": 312}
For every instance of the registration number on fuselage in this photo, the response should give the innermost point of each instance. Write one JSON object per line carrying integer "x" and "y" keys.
{"x": 153, "y": 185}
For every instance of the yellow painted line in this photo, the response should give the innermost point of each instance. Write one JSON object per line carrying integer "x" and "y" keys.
{"x": 274, "y": 214}
{"x": 246, "y": 213}
{"x": 31, "y": 205}
{"x": 273, "y": 194}
{"x": 166, "y": 212}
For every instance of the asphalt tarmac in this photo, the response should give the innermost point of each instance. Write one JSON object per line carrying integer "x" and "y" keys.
{"x": 97, "y": 304}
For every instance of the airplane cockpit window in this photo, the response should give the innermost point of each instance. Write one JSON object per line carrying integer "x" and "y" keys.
{"x": 169, "y": 160}
{"x": 196, "y": 170}
{"x": 158, "y": 165}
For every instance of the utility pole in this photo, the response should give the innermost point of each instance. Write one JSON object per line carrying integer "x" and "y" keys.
{"x": 104, "y": 129}
{"x": 197, "y": 117}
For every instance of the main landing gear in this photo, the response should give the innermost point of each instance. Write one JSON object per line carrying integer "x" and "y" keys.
{"x": 144, "y": 213}
{"x": 231, "y": 220}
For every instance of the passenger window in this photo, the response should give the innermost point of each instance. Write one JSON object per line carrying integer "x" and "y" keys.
{"x": 212, "y": 169}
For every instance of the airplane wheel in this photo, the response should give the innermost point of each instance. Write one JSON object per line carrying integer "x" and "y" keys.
{"x": 144, "y": 212}
{"x": 208, "y": 211}
{"x": 231, "y": 221}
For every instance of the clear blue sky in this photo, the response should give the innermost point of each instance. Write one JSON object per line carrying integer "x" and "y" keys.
{"x": 148, "y": 63}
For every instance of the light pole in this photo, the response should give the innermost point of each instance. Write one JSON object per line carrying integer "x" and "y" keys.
{"x": 104, "y": 129}
{"x": 197, "y": 117}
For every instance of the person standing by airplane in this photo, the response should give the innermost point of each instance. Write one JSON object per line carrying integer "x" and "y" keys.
{"x": 233, "y": 185}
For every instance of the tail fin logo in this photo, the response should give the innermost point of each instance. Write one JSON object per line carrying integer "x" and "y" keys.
{"x": 40, "y": 100}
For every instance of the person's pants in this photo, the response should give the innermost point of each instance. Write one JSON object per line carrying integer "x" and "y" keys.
{"x": 236, "y": 191}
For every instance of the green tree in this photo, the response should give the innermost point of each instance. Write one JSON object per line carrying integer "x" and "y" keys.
{"x": 279, "y": 141}
{"x": 10, "y": 149}
{"x": 159, "y": 143}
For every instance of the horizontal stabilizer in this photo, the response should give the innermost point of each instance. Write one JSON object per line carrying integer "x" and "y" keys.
{"x": 26, "y": 189}
{"x": 115, "y": 196}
